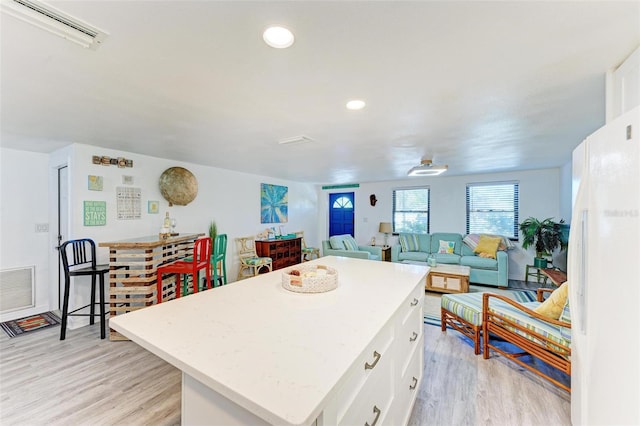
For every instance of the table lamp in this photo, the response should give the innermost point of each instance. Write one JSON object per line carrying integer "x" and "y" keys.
{"x": 385, "y": 228}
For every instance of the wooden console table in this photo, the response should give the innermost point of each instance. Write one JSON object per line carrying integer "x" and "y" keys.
{"x": 283, "y": 253}
{"x": 134, "y": 265}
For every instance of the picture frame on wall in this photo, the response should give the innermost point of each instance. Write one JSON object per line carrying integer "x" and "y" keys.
{"x": 274, "y": 203}
{"x": 153, "y": 207}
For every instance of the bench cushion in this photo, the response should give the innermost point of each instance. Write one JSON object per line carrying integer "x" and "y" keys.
{"x": 519, "y": 317}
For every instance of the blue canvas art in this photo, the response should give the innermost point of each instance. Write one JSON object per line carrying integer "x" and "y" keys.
{"x": 273, "y": 203}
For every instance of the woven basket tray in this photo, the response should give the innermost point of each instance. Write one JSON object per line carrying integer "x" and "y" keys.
{"x": 312, "y": 279}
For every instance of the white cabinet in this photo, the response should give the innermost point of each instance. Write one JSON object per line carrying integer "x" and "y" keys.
{"x": 383, "y": 383}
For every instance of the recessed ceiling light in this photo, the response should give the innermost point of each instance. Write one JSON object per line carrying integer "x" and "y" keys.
{"x": 278, "y": 37}
{"x": 355, "y": 104}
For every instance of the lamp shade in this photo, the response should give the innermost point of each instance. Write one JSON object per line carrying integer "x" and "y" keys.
{"x": 385, "y": 228}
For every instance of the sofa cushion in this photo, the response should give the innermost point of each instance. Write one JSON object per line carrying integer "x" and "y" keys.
{"x": 477, "y": 262}
{"x": 409, "y": 242}
{"x": 413, "y": 255}
{"x": 517, "y": 316}
{"x": 350, "y": 243}
{"x": 447, "y": 258}
{"x": 488, "y": 246}
{"x": 336, "y": 242}
{"x": 446, "y": 236}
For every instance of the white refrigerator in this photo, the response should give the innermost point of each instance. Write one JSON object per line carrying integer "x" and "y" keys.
{"x": 604, "y": 276}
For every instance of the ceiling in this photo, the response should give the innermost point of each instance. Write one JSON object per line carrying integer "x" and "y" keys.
{"x": 480, "y": 86}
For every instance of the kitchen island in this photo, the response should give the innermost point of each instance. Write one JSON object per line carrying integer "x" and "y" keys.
{"x": 254, "y": 353}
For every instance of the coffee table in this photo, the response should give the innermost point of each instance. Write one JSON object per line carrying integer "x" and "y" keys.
{"x": 448, "y": 279}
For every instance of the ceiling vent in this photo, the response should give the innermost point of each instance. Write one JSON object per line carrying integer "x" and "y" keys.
{"x": 55, "y": 21}
{"x": 427, "y": 168}
{"x": 295, "y": 140}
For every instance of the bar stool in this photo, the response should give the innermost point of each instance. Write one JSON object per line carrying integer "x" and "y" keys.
{"x": 219, "y": 256}
{"x": 79, "y": 259}
{"x": 201, "y": 259}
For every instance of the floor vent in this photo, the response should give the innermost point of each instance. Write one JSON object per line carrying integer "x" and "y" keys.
{"x": 17, "y": 289}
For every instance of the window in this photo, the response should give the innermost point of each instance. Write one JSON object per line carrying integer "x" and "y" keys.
{"x": 492, "y": 208}
{"x": 411, "y": 210}
{"x": 342, "y": 203}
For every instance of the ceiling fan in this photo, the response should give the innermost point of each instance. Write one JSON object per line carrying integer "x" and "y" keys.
{"x": 427, "y": 168}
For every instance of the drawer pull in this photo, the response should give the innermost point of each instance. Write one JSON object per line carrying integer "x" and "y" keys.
{"x": 376, "y": 410}
{"x": 415, "y": 302}
{"x": 413, "y": 337}
{"x": 415, "y": 383}
{"x": 368, "y": 366}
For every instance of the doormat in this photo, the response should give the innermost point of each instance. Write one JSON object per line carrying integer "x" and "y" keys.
{"x": 22, "y": 326}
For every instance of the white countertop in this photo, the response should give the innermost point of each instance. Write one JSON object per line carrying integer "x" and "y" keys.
{"x": 276, "y": 353}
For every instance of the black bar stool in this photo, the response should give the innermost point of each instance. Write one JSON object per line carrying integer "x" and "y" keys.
{"x": 79, "y": 259}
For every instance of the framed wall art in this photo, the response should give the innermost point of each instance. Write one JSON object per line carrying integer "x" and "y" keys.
{"x": 274, "y": 203}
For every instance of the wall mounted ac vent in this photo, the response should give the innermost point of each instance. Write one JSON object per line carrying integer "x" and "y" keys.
{"x": 55, "y": 21}
{"x": 17, "y": 289}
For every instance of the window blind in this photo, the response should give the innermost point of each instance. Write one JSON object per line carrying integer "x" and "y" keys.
{"x": 492, "y": 208}
{"x": 411, "y": 210}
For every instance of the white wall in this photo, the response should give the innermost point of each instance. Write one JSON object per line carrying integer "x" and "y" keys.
{"x": 23, "y": 204}
{"x": 230, "y": 198}
{"x": 540, "y": 196}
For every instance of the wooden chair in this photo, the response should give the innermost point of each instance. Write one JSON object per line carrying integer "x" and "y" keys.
{"x": 544, "y": 338}
{"x": 250, "y": 263}
{"x": 201, "y": 259}
{"x": 308, "y": 253}
{"x": 79, "y": 259}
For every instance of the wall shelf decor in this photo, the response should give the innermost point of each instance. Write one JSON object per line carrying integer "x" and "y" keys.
{"x": 108, "y": 161}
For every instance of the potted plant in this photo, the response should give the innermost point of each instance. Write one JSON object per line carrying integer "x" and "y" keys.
{"x": 213, "y": 231}
{"x": 545, "y": 235}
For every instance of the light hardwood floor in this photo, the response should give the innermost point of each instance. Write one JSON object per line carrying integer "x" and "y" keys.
{"x": 87, "y": 381}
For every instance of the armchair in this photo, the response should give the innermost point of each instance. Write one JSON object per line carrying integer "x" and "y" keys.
{"x": 346, "y": 246}
{"x": 540, "y": 336}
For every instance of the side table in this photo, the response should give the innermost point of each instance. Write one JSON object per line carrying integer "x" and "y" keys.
{"x": 386, "y": 253}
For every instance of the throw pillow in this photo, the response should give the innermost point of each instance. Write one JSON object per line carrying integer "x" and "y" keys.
{"x": 350, "y": 243}
{"x": 446, "y": 247}
{"x": 487, "y": 246}
{"x": 408, "y": 242}
{"x": 471, "y": 240}
{"x": 336, "y": 242}
{"x": 553, "y": 306}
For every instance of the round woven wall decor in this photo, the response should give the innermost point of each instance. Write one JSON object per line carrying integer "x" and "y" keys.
{"x": 178, "y": 186}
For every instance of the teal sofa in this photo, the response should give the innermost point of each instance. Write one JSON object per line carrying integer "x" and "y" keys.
{"x": 493, "y": 272}
{"x": 346, "y": 246}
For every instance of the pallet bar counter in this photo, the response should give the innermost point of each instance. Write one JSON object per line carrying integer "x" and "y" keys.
{"x": 134, "y": 265}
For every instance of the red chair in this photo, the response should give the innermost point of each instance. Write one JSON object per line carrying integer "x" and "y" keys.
{"x": 200, "y": 260}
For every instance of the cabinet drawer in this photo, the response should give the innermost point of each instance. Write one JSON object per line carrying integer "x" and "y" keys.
{"x": 408, "y": 338}
{"x": 453, "y": 283}
{"x": 374, "y": 400}
{"x": 366, "y": 369}
{"x": 414, "y": 302}
{"x": 410, "y": 385}
{"x": 438, "y": 281}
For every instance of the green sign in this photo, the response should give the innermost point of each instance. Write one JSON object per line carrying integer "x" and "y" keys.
{"x": 95, "y": 213}
{"x": 350, "y": 185}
